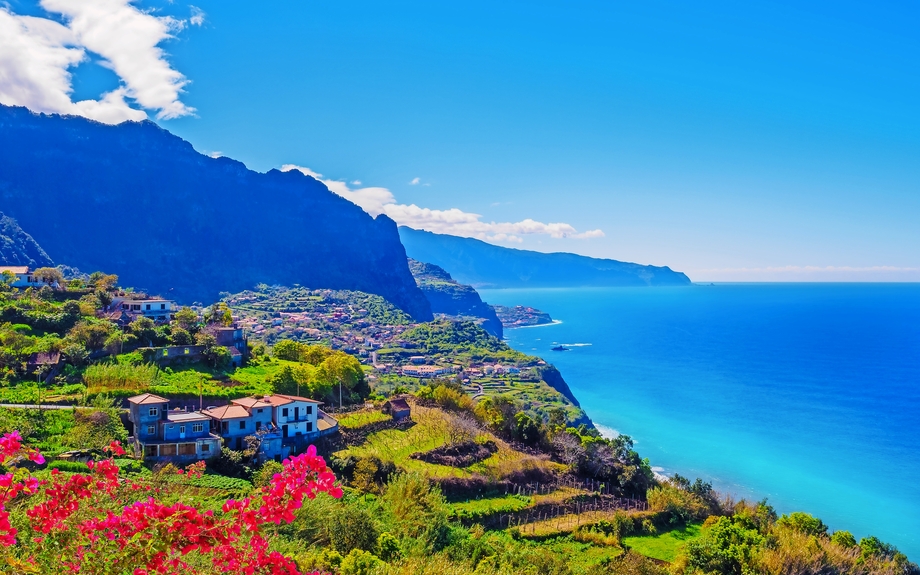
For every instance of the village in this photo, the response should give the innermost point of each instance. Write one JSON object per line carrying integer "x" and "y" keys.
{"x": 172, "y": 426}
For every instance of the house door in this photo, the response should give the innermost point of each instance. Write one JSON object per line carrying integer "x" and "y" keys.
{"x": 296, "y": 414}
{"x": 284, "y": 431}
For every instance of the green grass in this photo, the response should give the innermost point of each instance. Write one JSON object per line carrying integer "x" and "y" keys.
{"x": 478, "y": 509}
{"x": 362, "y": 418}
{"x": 664, "y": 546}
{"x": 431, "y": 430}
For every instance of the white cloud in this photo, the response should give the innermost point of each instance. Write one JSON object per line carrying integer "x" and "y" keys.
{"x": 37, "y": 54}
{"x": 197, "y": 18}
{"x": 453, "y": 221}
{"x": 415, "y": 181}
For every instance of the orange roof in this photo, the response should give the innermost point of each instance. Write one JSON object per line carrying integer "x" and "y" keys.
{"x": 251, "y": 402}
{"x": 15, "y": 269}
{"x": 279, "y": 399}
{"x": 145, "y": 398}
{"x": 231, "y": 411}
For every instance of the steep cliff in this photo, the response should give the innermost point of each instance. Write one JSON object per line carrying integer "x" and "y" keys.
{"x": 452, "y": 298}
{"x": 17, "y": 248}
{"x": 483, "y": 265}
{"x": 141, "y": 202}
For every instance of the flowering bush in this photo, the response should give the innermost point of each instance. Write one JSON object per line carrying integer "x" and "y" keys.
{"x": 94, "y": 523}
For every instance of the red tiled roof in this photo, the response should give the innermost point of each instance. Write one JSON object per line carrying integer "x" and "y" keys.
{"x": 231, "y": 411}
{"x": 145, "y": 398}
{"x": 251, "y": 402}
{"x": 279, "y": 399}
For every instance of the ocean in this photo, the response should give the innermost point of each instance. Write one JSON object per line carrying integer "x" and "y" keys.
{"x": 805, "y": 394}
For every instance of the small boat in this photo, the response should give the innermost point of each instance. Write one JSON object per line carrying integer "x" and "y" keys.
{"x": 560, "y": 348}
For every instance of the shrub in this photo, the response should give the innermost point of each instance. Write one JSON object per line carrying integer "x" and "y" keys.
{"x": 388, "y": 547}
{"x": 69, "y": 466}
{"x": 680, "y": 506}
{"x": 265, "y": 474}
{"x": 351, "y": 528}
{"x": 803, "y": 523}
{"x": 359, "y": 562}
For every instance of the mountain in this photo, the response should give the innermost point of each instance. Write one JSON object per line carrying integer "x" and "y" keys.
{"x": 17, "y": 248}
{"x": 450, "y": 297}
{"x": 483, "y": 265}
{"x": 135, "y": 200}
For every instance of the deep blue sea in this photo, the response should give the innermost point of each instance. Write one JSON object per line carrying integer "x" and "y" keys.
{"x": 806, "y": 394}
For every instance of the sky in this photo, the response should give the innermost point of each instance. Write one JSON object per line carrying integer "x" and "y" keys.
{"x": 734, "y": 141}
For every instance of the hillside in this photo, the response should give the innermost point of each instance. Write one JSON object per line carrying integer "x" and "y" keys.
{"x": 135, "y": 198}
{"x": 17, "y": 248}
{"x": 483, "y": 265}
{"x": 450, "y": 297}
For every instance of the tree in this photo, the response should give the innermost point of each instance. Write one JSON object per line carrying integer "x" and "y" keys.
{"x": 287, "y": 349}
{"x": 92, "y": 335}
{"x": 180, "y": 336}
{"x": 144, "y": 329}
{"x": 186, "y": 318}
{"x": 50, "y": 276}
{"x": 103, "y": 282}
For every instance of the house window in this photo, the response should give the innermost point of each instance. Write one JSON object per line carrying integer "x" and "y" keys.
{"x": 258, "y": 425}
{"x": 165, "y": 352}
{"x": 259, "y": 410}
{"x": 242, "y": 425}
{"x": 284, "y": 412}
{"x": 162, "y": 306}
{"x": 153, "y": 412}
{"x": 186, "y": 351}
{"x": 148, "y": 307}
{"x": 150, "y": 451}
{"x": 135, "y": 307}
{"x": 309, "y": 426}
{"x": 205, "y": 447}
{"x": 151, "y": 430}
{"x": 198, "y": 427}
{"x": 309, "y": 410}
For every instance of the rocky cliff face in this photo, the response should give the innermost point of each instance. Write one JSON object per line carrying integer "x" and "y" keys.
{"x": 483, "y": 265}
{"x": 135, "y": 200}
{"x": 17, "y": 248}
{"x": 452, "y": 298}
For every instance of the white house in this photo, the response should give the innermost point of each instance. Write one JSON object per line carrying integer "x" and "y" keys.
{"x": 296, "y": 416}
{"x": 24, "y": 277}
{"x": 155, "y": 308}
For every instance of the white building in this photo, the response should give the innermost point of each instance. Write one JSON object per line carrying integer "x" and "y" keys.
{"x": 155, "y": 308}
{"x": 296, "y": 416}
{"x": 25, "y": 277}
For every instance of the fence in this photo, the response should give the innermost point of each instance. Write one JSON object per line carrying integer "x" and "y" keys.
{"x": 570, "y": 515}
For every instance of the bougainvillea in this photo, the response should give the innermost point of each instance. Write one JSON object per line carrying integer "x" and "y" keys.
{"x": 76, "y": 527}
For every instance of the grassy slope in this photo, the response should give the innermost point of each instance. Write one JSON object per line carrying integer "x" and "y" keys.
{"x": 664, "y": 546}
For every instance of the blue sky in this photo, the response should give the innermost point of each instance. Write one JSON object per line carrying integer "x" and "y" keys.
{"x": 734, "y": 141}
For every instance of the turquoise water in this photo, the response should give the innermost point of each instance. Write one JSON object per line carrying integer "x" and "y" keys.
{"x": 807, "y": 394}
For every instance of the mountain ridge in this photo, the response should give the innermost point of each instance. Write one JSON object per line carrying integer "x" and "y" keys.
{"x": 483, "y": 265}
{"x": 450, "y": 297}
{"x": 18, "y": 248}
{"x": 186, "y": 225}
